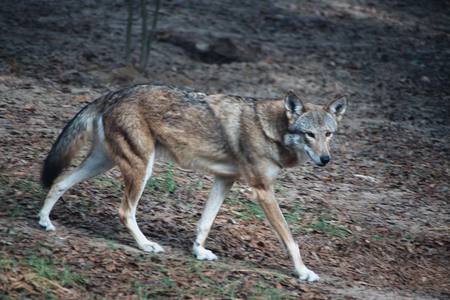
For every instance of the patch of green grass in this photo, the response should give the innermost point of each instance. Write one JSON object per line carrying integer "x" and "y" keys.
{"x": 409, "y": 237}
{"x": 141, "y": 291}
{"x": 109, "y": 183}
{"x": 25, "y": 188}
{"x": 293, "y": 215}
{"x": 154, "y": 183}
{"x": 165, "y": 182}
{"x": 111, "y": 245}
{"x": 197, "y": 268}
{"x": 49, "y": 295}
{"x": 16, "y": 210}
{"x": 252, "y": 210}
{"x": 171, "y": 184}
{"x": 378, "y": 237}
{"x": 29, "y": 186}
{"x": 232, "y": 201}
{"x": 7, "y": 264}
{"x": 246, "y": 210}
{"x": 278, "y": 188}
{"x": 47, "y": 269}
{"x": 43, "y": 267}
{"x": 326, "y": 226}
{"x": 210, "y": 281}
{"x": 199, "y": 184}
{"x": 265, "y": 292}
{"x": 42, "y": 273}
{"x": 230, "y": 288}
{"x": 83, "y": 204}
{"x": 167, "y": 281}
{"x": 67, "y": 277}
{"x": 141, "y": 257}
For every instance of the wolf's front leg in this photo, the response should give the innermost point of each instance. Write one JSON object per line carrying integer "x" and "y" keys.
{"x": 270, "y": 206}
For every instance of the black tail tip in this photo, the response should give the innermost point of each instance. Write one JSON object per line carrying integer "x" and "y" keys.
{"x": 49, "y": 173}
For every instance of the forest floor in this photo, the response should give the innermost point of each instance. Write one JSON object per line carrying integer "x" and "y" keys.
{"x": 374, "y": 223}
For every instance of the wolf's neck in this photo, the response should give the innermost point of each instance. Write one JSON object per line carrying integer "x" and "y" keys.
{"x": 273, "y": 120}
{"x": 274, "y": 123}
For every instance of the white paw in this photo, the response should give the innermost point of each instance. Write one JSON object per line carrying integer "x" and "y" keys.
{"x": 204, "y": 254}
{"x": 46, "y": 223}
{"x": 308, "y": 275}
{"x": 151, "y": 247}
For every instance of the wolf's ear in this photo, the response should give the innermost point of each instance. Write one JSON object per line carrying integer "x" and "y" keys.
{"x": 293, "y": 104}
{"x": 337, "y": 107}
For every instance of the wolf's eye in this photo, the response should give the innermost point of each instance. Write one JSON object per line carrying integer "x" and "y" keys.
{"x": 328, "y": 134}
{"x": 310, "y": 134}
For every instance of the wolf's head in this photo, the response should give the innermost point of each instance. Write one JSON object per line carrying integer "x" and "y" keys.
{"x": 311, "y": 127}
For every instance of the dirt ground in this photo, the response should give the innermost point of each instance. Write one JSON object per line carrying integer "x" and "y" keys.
{"x": 374, "y": 223}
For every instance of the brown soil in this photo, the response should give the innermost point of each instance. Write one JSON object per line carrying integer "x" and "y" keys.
{"x": 374, "y": 223}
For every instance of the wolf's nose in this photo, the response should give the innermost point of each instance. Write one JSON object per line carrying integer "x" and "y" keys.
{"x": 324, "y": 159}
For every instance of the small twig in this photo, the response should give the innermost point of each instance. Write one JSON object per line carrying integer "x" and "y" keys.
{"x": 423, "y": 267}
{"x": 261, "y": 272}
{"x": 446, "y": 229}
{"x": 33, "y": 278}
{"x": 366, "y": 283}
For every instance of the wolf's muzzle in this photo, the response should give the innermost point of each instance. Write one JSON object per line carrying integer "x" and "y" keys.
{"x": 324, "y": 160}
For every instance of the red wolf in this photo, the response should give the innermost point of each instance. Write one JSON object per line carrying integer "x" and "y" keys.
{"x": 231, "y": 137}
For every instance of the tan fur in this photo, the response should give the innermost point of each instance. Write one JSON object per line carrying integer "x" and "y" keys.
{"x": 228, "y": 136}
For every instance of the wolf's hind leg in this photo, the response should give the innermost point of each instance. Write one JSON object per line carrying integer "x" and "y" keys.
{"x": 220, "y": 188}
{"x": 97, "y": 162}
{"x": 135, "y": 177}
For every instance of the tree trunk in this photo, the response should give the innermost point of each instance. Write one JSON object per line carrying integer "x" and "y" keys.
{"x": 129, "y": 28}
{"x": 151, "y": 36}
{"x": 144, "y": 34}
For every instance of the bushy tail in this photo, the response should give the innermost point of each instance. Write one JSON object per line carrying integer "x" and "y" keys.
{"x": 69, "y": 142}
